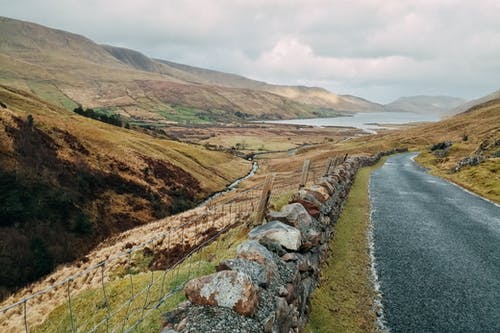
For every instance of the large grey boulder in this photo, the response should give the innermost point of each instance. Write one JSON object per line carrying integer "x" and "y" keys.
{"x": 297, "y": 216}
{"x": 319, "y": 192}
{"x": 275, "y": 231}
{"x": 230, "y": 289}
{"x": 254, "y": 251}
{"x": 256, "y": 272}
{"x": 292, "y": 214}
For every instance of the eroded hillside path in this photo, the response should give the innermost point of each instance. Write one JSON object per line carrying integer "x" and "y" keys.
{"x": 437, "y": 250}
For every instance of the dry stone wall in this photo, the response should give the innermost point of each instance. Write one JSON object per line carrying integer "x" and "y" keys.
{"x": 268, "y": 286}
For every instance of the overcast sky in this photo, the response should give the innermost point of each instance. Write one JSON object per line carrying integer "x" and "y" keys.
{"x": 379, "y": 50}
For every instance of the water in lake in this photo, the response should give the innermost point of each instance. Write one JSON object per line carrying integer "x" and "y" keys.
{"x": 368, "y": 121}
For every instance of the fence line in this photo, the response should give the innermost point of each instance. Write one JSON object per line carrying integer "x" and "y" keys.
{"x": 154, "y": 271}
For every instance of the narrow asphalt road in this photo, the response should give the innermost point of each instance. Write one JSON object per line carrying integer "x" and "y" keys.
{"x": 437, "y": 252}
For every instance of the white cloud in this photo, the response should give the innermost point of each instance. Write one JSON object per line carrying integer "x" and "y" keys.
{"x": 377, "y": 49}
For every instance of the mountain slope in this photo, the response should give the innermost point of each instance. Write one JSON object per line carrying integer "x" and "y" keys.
{"x": 60, "y": 66}
{"x": 68, "y": 182}
{"x": 466, "y": 106}
{"x": 439, "y": 105}
{"x": 314, "y": 96}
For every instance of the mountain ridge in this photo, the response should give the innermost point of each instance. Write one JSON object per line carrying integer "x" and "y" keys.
{"x": 103, "y": 76}
{"x": 439, "y": 104}
{"x": 478, "y": 101}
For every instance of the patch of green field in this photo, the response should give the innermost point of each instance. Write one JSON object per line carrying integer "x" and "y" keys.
{"x": 185, "y": 115}
{"x": 52, "y": 94}
{"x": 343, "y": 302}
{"x": 135, "y": 297}
{"x": 152, "y": 104}
{"x": 106, "y": 111}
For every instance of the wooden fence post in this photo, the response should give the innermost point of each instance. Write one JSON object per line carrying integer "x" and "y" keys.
{"x": 329, "y": 166}
{"x": 305, "y": 173}
{"x": 264, "y": 199}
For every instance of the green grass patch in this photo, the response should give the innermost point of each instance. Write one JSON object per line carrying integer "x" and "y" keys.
{"x": 52, "y": 94}
{"x": 277, "y": 202}
{"x": 187, "y": 115}
{"x": 106, "y": 111}
{"x": 343, "y": 302}
{"x": 135, "y": 296}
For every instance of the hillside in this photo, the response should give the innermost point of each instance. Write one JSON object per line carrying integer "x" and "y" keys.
{"x": 438, "y": 105}
{"x": 314, "y": 96}
{"x": 69, "y": 69}
{"x": 466, "y": 106}
{"x": 68, "y": 182}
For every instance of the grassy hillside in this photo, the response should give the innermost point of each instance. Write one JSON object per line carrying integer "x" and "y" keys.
{"x": 145, "y": 89}
{"x": 67, "y": 182}
{"x": 313, "y": 96}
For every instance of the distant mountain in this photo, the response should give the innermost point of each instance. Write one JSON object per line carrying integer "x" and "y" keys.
{"x": 439, "y": 105}
{"x": 315, "y": 96}
{"x": 69, "y": 69}
{"x": 466, "y": 106}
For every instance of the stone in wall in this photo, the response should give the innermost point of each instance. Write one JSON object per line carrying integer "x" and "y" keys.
{"x": 230, "y": 289}
{"x": 293, "y": 214}
{"x": 252, "y": 250}
{"x": 275, "y": 231}
{"x": 257, "y": 273}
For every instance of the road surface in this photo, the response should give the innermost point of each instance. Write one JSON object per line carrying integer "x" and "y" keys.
{"x": 437, "y": 252}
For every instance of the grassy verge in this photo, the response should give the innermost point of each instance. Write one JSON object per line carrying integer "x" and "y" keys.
{"x": 481, "y": 179}
{"x": 343, "y": 302}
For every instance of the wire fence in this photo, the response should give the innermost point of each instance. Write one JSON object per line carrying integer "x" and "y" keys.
{"x": 127, "y": 283}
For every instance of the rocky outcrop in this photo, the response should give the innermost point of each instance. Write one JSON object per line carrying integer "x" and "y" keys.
{"x": 441, "y": 149}
{"x": 468, "y": 161}
{"x": 280, "y": 263}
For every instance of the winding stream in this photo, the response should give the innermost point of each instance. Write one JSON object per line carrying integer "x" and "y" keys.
{"x": 232, "y": 186}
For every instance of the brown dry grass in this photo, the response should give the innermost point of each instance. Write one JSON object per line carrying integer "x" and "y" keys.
{"x": 174, "y": 232}
{"x": 214, "y": 170}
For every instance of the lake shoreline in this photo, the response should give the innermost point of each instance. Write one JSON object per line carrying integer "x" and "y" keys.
{"x": 367, "y": 121}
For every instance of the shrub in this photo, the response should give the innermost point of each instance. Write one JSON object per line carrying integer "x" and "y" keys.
{"x": 42, "y": 262}
{"x": 113, "y": 119}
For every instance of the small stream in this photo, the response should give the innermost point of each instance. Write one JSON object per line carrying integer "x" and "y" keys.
{"x": 232, "y": 186}
{"x": 251, "y": 173}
